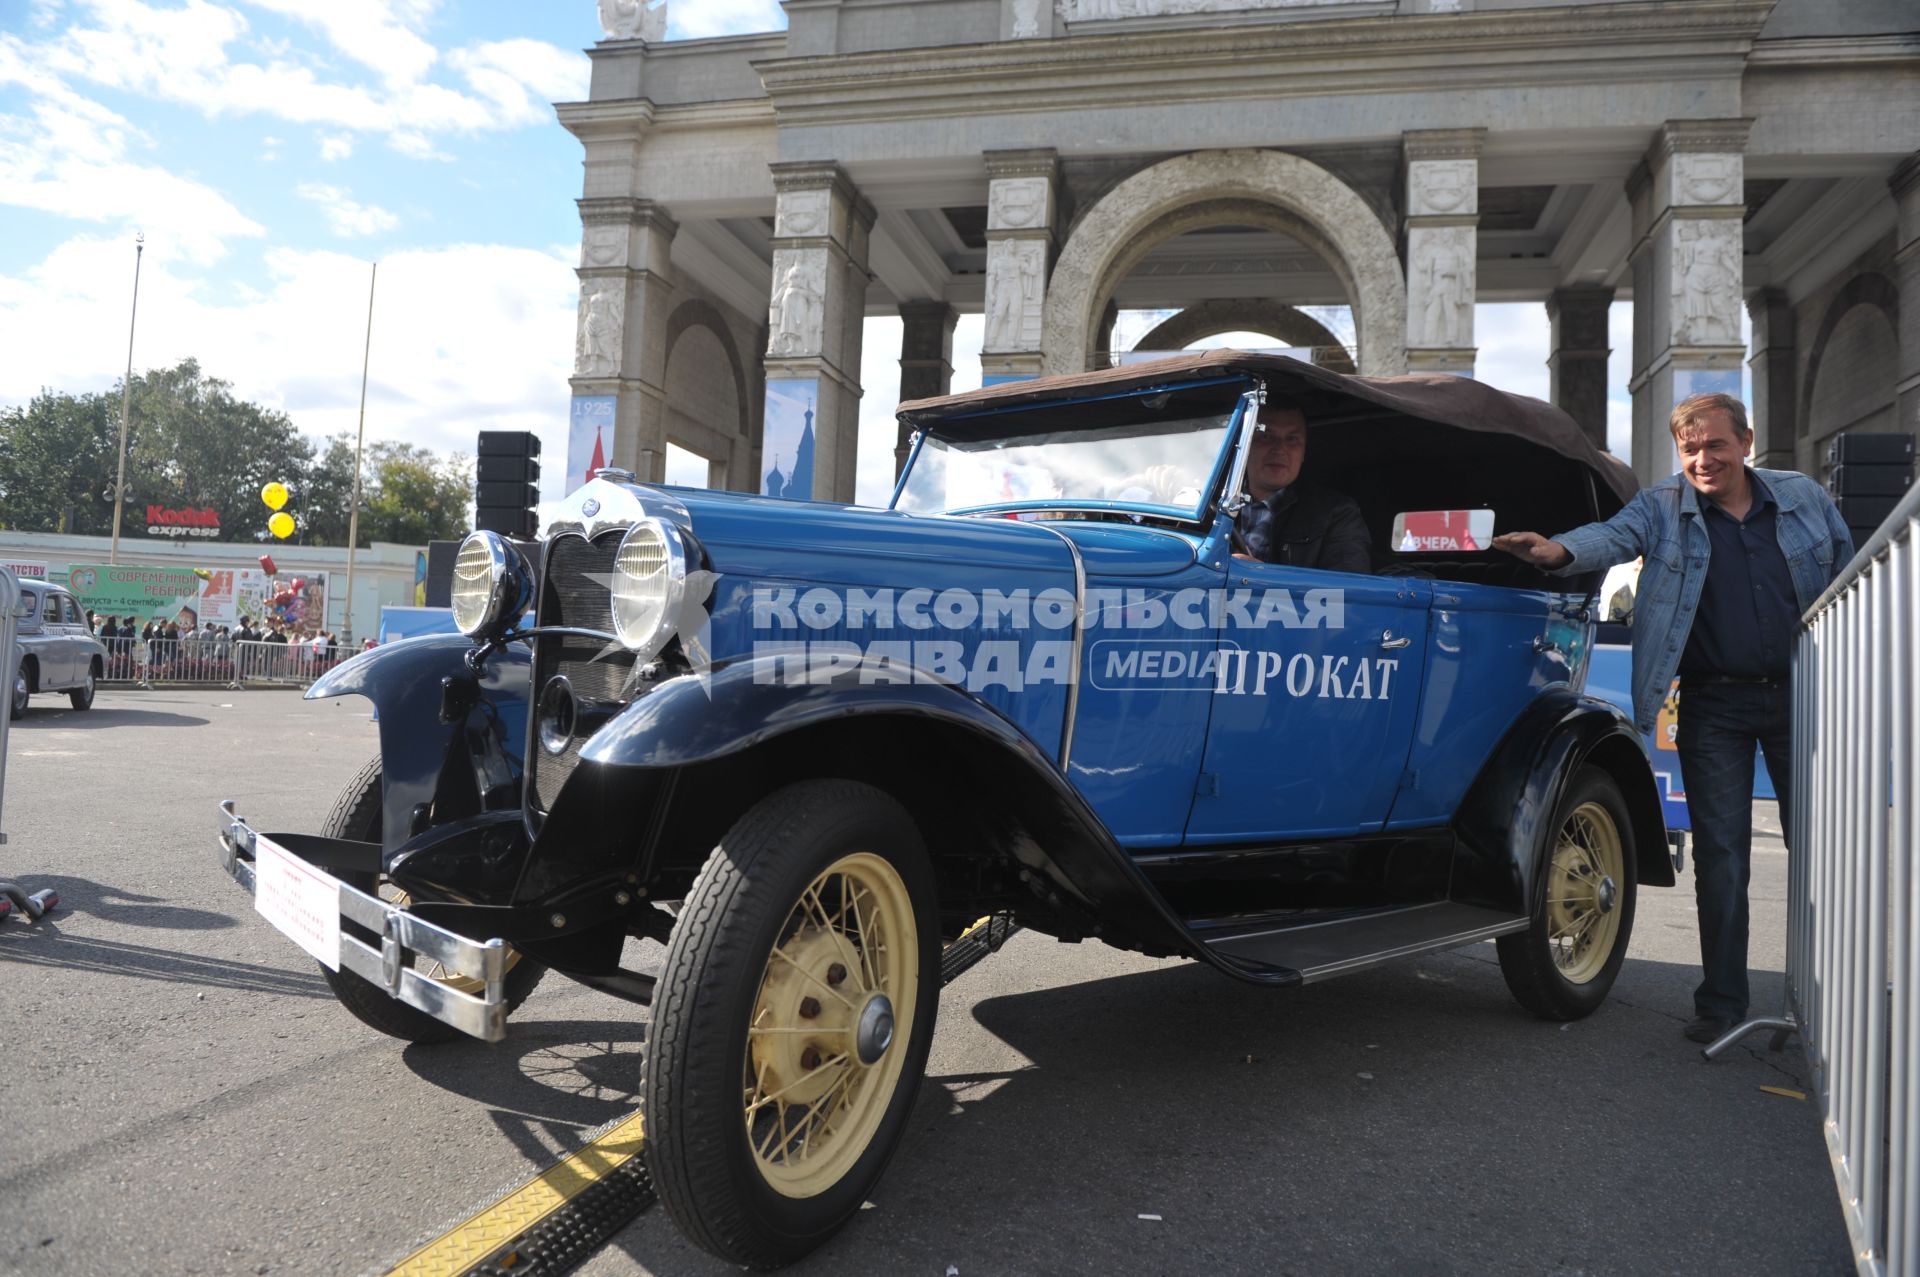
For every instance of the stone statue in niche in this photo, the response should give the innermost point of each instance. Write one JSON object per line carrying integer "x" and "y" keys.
{"x": 1442, "y": 188}
{"x": 1706, "y": 283}
{"x": 1444, "y": 287}
{"x": 796, "y": 316}
{"x": 634, "y": 20}
{"x": 1015, "y": 204}
{"x": 596, "y": 350}
{"x": 1026, "y": 19}
{"x": 1016, "y": 272}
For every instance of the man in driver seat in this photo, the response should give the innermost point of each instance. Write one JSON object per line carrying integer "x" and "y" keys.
{"x": 1289, "y": 521}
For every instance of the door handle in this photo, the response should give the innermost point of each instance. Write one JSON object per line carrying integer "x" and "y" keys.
{"x": 1391, "y": 644}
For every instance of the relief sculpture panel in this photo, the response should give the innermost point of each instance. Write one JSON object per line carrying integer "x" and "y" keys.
{"x": 1016, "y": 294}
{"x": 1707, "y": 269}
{"x": 1437, "y": 188}
{"x": 1440, "y": 286}
{"x": 603, "y": 315}
{"x": 1102, "y": 10}
{"x": 796, "y": 317}
{"x": 1017, "y": 203}
{"x": 801, "y": 213}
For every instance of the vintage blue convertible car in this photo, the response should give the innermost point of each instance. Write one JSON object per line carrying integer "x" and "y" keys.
{"x": 805, "y": 745}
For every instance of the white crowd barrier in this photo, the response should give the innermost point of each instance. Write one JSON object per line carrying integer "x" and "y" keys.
{"x": 178, "y": 662}
{"x": 1853, "y": 896}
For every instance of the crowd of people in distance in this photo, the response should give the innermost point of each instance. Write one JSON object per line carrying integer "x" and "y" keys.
{"x": 186, "y": 649}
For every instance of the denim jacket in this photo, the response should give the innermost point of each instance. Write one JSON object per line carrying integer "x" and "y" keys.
{"x": 1663, "y": 525}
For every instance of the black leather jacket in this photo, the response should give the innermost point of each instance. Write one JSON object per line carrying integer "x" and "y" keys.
{"x": 1318, "y": 528}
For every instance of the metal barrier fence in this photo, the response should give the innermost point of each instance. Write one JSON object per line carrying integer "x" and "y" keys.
{"x": 1853, "y": 896}
{"x": 216, "y": 662}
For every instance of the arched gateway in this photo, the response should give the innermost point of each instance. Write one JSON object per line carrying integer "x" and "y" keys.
{"x": 1247, "y": 315}
{"x": 1266, "y": 189}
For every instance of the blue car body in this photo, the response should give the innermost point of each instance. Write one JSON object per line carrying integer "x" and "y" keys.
{"x": 1374, "y": 770}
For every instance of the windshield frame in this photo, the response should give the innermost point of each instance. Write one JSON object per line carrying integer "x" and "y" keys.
{"x": 1228, "y": 465}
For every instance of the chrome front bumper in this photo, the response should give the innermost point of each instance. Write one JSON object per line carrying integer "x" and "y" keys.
{"x": 389, "y": 965}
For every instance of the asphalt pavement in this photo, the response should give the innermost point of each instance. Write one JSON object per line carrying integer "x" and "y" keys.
{"x": 180, "y": 1093}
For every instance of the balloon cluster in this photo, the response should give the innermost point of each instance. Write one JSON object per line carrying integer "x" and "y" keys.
{"x": 286, "y": 605}
{"x": 275, "y": 496}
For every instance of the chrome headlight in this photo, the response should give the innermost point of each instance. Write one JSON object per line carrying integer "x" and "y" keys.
{"x": 649, "y": 582}
{"x": 492, "y": 584}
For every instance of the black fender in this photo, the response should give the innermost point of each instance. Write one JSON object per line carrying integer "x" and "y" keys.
{"x": 451, "y": 741}
{"x": 1503, "y": 825}
{"x": 742, "y": 707}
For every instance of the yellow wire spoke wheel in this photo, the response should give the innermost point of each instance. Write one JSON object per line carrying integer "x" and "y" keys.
{"x": 823, "y": 1051}
{"x": 1583, "y": 892}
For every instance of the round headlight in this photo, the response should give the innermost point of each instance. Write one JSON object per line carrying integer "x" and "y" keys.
{"x": 491, "y": 584}
{"x": 649, "y": 580}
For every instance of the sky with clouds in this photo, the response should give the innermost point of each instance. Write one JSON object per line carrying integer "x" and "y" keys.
{"x": 271, "y": 150}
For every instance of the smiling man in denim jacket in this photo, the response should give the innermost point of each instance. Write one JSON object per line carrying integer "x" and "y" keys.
{"x": 1733, "y": 557}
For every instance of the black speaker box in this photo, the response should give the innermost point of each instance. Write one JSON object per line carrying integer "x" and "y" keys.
{"x": 1865, "y": 512}
{"x": 1876, "y": 449}
{"x": 509, "y": 494}
{"x": 501, "y": 468}
{"x": 509, "y": 443}
{"x": 440, "y": 556}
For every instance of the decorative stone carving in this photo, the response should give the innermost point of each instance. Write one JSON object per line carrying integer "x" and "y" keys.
{"x": 1102, "y": 10}
{"x": 802, "y": 213}
{"x": 1017, "y": 203}
{"x": 1706, "y": 179}
{"x": 1707, "y": 269}
{"x": 603, "y": 315}
{"x": 603, "y": 246}
{"x": 1443, "y": 187}
{"x": 1016, "y": 294}
{"x": 1026, "y": 19}
{"x": 796, "y": 317}
{"x": 634, "y": 20}
{"x": 1440, "y": 290}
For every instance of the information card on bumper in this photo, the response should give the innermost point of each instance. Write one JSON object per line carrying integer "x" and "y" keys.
{"x": 299, "y": 899}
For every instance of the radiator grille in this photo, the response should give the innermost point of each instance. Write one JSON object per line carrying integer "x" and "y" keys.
{"x": 575, "y": 590}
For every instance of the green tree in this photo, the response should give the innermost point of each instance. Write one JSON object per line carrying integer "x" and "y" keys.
{"x": 57, "y": 458}
{"x": 328, "y": 495}
{"x": 412, "y": 496}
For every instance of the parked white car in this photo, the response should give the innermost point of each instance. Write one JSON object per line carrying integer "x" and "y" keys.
{"x": 54, "y": 651}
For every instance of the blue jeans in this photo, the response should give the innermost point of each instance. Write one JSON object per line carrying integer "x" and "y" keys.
{"x": 1719, "y": 725}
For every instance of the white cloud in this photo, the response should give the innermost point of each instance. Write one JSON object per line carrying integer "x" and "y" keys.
{"x": 465, "y": 338}
{"x": 375, "y": 33}
{"x": 725, "y": 17}
{"x": 417, "y": 146}
{"x": 880, "y": 384}
{"x": 345, "y": 216}
{"x": 335, "y": 146}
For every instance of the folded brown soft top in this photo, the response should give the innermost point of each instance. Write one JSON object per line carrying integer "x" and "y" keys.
{"x": 1460, "y": 402}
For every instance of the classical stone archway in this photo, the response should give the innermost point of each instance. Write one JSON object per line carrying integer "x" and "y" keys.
{"x": 1263, "y": 189}
{"x": 1858, "y": 337}
{"x": 707, "y": 387}
{"x": 1247, "y": 314}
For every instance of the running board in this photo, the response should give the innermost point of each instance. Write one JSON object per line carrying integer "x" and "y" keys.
{"x": 1320, "y": 950}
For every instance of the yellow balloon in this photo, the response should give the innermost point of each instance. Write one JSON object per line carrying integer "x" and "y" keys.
{"x": 275, "y": 495}
{"x": 281, "y": 525}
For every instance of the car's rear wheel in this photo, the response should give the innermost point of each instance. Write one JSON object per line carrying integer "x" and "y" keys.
{"x": 791, "y": 1025}
{"x": 357, "y": 816}
{"x": 81, "y": 697}
{"x": 1562, "y": 966}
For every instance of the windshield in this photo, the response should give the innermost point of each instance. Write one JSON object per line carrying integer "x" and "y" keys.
{"x": 1162, "y": 467}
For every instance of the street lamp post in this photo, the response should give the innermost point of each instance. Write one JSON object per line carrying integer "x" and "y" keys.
{"x": 126, "y": 395}
{"x": 359, "y": 443}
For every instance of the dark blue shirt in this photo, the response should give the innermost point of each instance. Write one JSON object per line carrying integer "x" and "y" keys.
{"x": 1747, "y": 618}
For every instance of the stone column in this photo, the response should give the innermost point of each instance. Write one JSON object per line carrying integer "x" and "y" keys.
{"x": 1776, "y": 429}
{"x": 620, "y": 346}
{"x": 1577, "y": 365}
{"x": 1022, "y": 201}
{"x": 814, "y": 322}
{"x": 1688, "y": 263}
{"x": 1906, "y": 269}
{"x": 1443, "y": 218}
{"x": 926, "y": 360}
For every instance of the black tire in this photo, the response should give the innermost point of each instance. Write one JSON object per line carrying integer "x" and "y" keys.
{"x": 719, "y": 975}
{"x": 81, "y": 697}
{"x": 357, "y": 815}
{"x": 1536, "y": 969}
{"x": 17, "y": 694}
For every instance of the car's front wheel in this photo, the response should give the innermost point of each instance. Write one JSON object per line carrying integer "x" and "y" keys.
{"x": 81, "y": 697}
{"x": 356, "y": 815}
{"x": 792, "y": 1021}
{"x": 17, "y": 704}
{"x": 1562, "y": 966}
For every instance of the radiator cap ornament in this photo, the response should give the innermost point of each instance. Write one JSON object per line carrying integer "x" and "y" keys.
{"x": 590, "y": 507}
